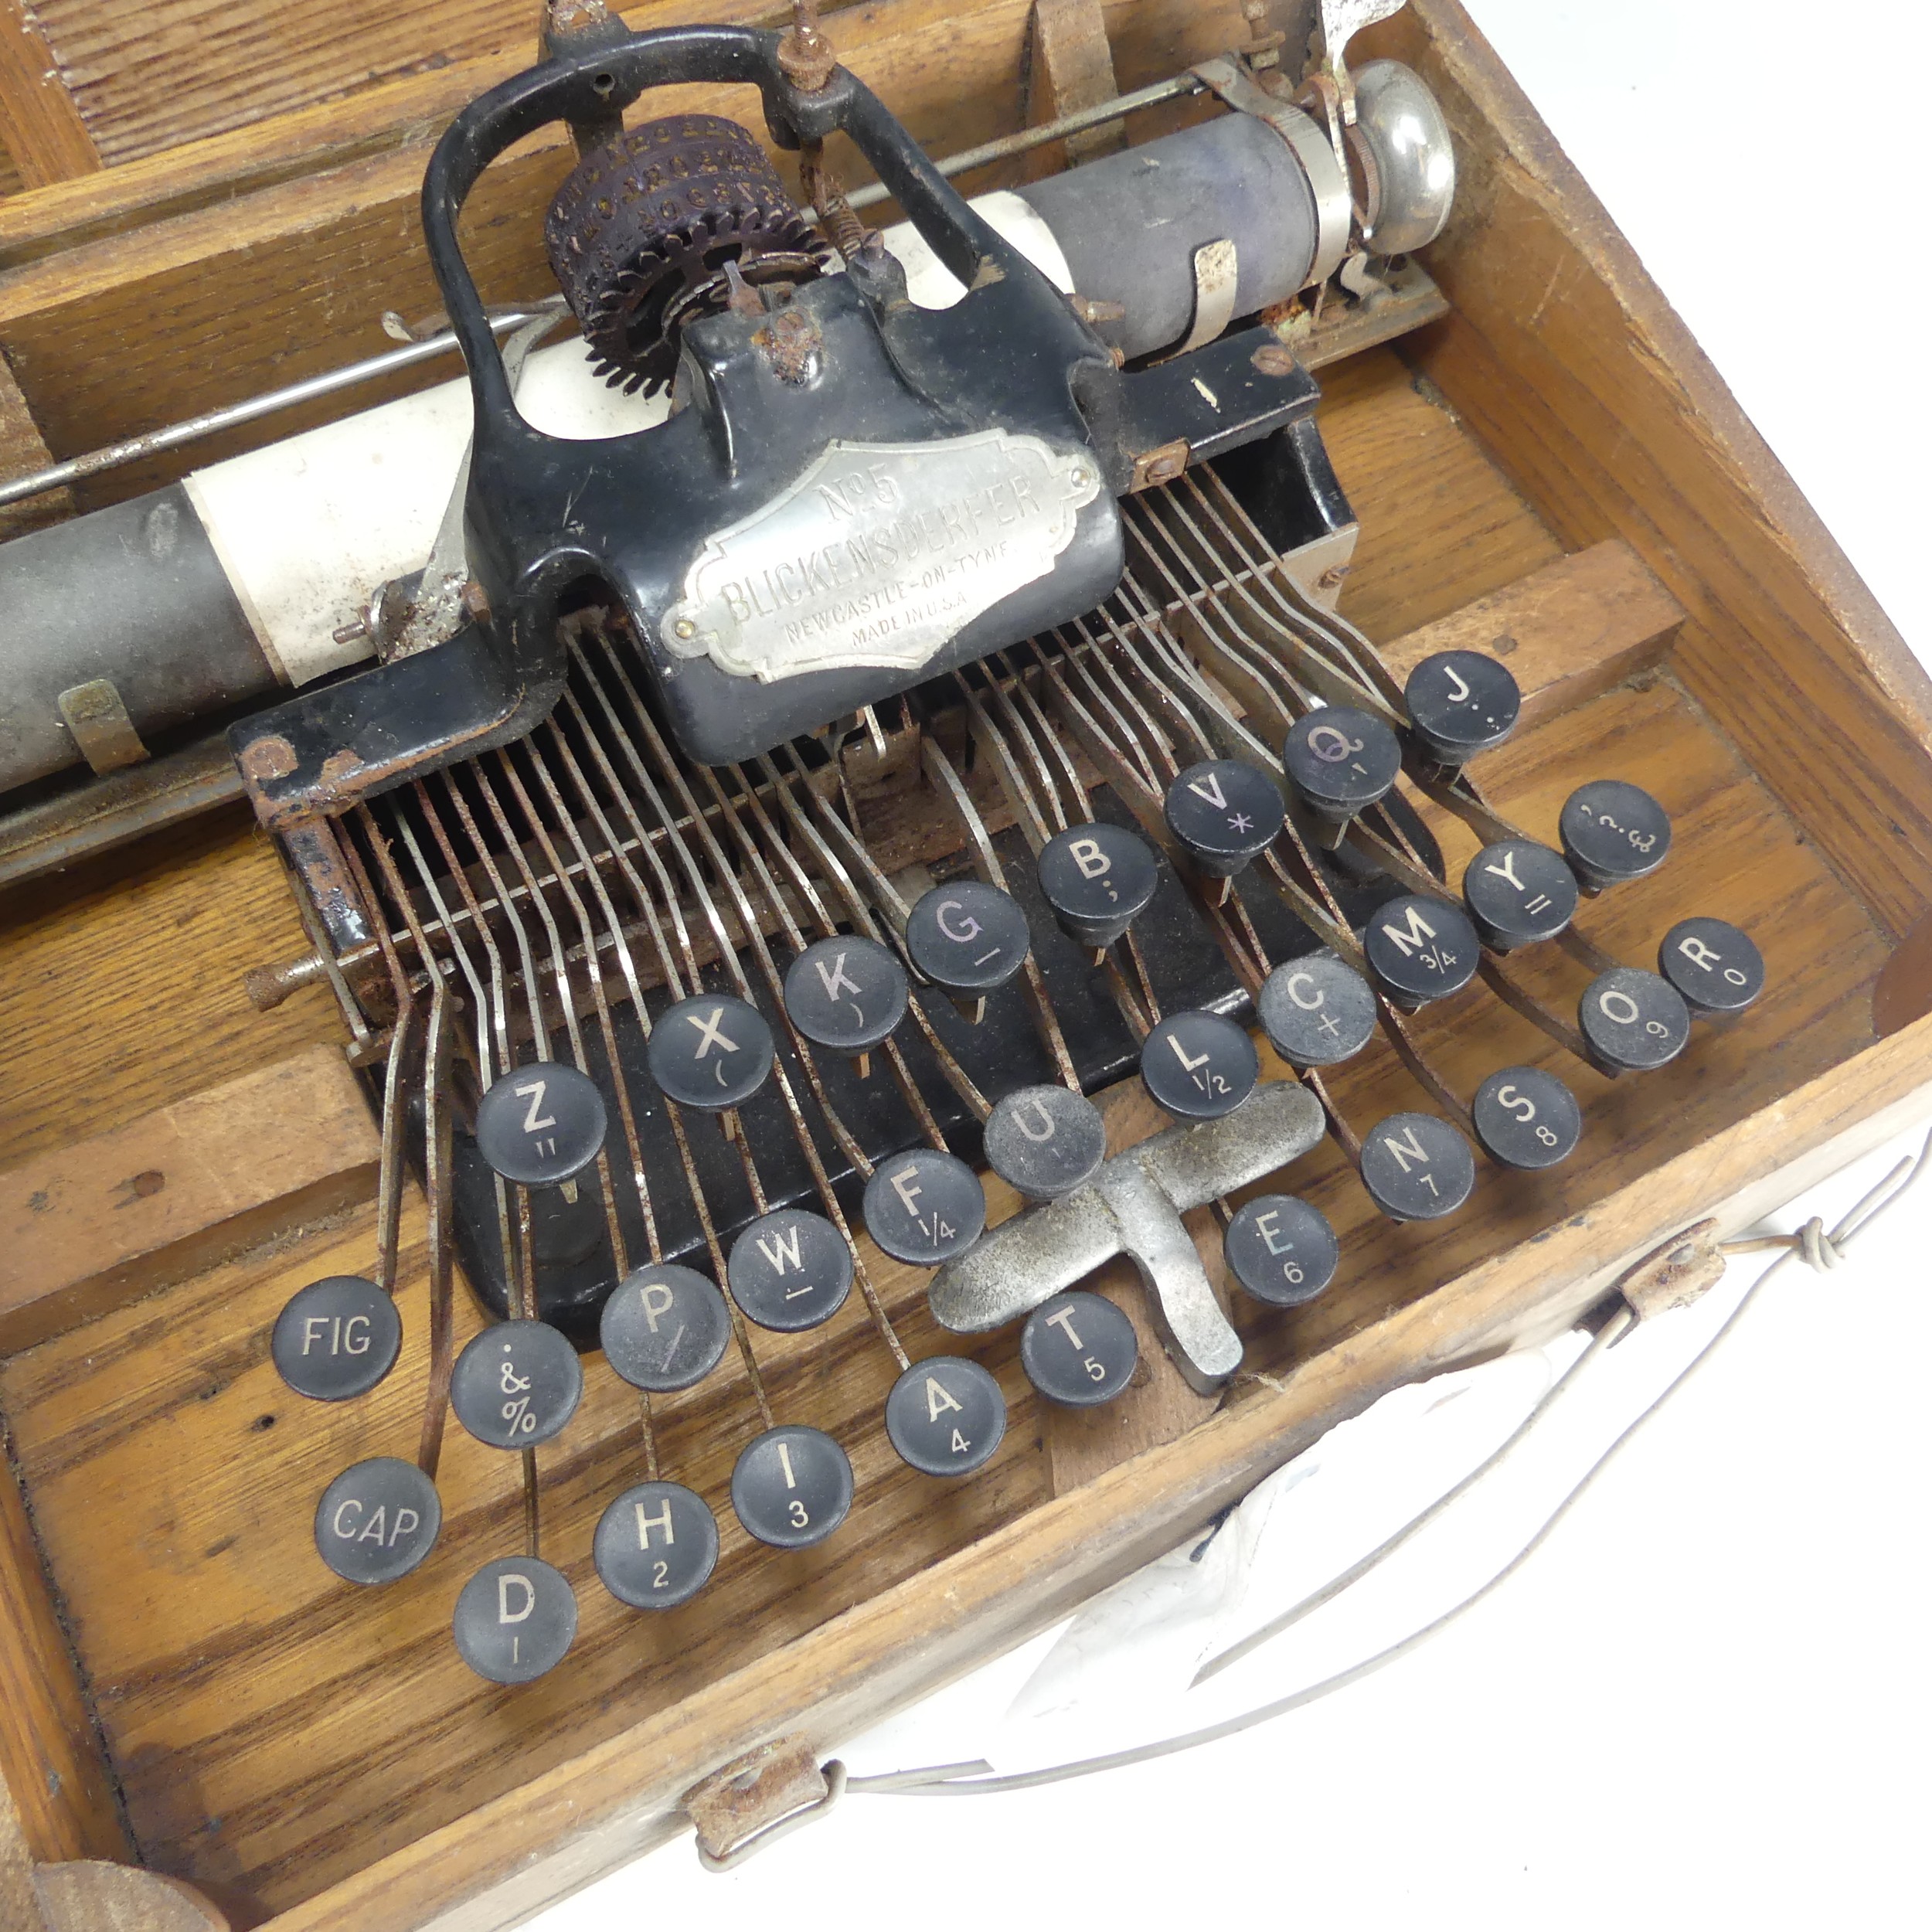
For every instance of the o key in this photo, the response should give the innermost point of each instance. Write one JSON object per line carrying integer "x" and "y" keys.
{"x": 1632, "y": 1020}
{"x": 663, "y": 1327}
{"x": 790, "y": 1270}
{"x": 1317, "y": 1012}
{"x": 1526, "y": 1118}
{"x": 792, "y": 1487}
{"x": 713, "y": 1051}
{"x": 946, "y": 1416}
{"x": 924, "y": 1207}
{"x": 377, "y": 1520}
{"x": 542, "y": 1124}
{"x": 1417, "y": 1167}
{"x": 1200, "y": 1065}
{"x": 516, "y": 1385}
{"x": 514, "y": 1620}
{"x": 1079, "y": 1348}
{"x": 337, "y": 1338}
{"x": 1045, "y": 1141}
{"x": 656, "y": 1546}
{"x": 1714, "y": 965}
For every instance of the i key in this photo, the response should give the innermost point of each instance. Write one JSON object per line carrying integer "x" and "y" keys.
{"x": 790, "y": 1270}
{"x": 1421, "y": 950}
{"x": 946, "y": 1416}
{"x": 847, "y": 994}
{"x": 1612, "y": 831}
{"x": 924, "y": 1207}
{"x": 540, "y": 1125}
{"x": 656, "y": 1545}
{"x": 1713, "y": 964}
{"x": 1518, "y": 892}
{"x": 713, "y": 1051}
{"x": 1045, "y": 1142}
{"x": 1079, "y": 1348}
{"x": 337, "y": 1338}
{"x": 1098, "y": 880}
{"x": 514, "y": 1620}
{"x": 1417, "y": 1167}
{"x": 792, "y": 1486}
{"x": 969, "y": 937}
{"x": 1342, "y": 761}
{"x": 1317, "y": 1011}
{"x": 1461, "y": 703}
{"x": 1226, "y": 814}
{"x": 1200, "y": 1065}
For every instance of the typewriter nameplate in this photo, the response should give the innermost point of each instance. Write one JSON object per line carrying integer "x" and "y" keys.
{"x": 879, "y": 554}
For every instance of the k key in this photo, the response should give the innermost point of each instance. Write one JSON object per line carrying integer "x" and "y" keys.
{"x": 847, "y": 994}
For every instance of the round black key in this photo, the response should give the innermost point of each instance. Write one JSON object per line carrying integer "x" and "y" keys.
{"x": 1200, "y": 1065}
{"x": 377, "y": 1520}
{"x": 1461, "y": 702}
{"x": 1097, "y": 878}
{"x": 1079, "y": 1348}
{"x": 1611, "y": 832}
{"x": 1225, "y": 813}
{"x": 1632, "y": 1020}
{"x": 1421, "y": 949}
{"x": 514, "y": 1619}
{"x": 967, "y": 937}
{"x": 790, "y": 1270}
{"x": 1417, "y": 1167}
{"x": 656, "y": 1546}
{"x": 1342, "y": 761}
{"x": 540, "y": 1124}
{"x": 516, "y": 1384}
{"x": 924, "y": 1207}
{"x": 946, "y": 1416}
{"x": 713, "y": 1051}
{"x": 337, "y": 1338}
{"x": 1527, "y": 1118}
{"x": 1281, "y": 1250}
{"x": 1712, "y": 963}
{"x": 847, "y": 994}
{"x": 663, "y": 1327}
{"x": 1517, "y": 893}
{"x": 1045, "y": 1141}
{"x": 1316, "y": 1011}
{"x": 792, "y": 1486}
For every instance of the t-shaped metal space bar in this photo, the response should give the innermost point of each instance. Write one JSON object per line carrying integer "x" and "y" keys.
{"x": 1133, "y": 1206}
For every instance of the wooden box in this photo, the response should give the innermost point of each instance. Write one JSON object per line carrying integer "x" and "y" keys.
{"x": 1552, "y": 471}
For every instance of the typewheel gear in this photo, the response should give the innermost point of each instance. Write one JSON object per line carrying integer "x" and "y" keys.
{"x": 639, "y": 235}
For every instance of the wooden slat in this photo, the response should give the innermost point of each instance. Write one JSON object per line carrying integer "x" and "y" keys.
{"x": 46, "y": 135}
{"x": 22, "y": 450}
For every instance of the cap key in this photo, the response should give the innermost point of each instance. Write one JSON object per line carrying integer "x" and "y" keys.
{"x": 846, "y": 993}
{"x": 377, "y": 1520}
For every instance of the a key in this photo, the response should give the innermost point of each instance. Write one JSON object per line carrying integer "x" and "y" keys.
{"x": 1632, "y": 1020}
{"x": 1526, "y": 1118}
{"x": 1281, "y": 1250}
{"x": 792, "y": 1486}
{"x": 924, "y": 1207}
{"x": 516, "y": 1384}
{"x": 946, "y": 1416}
{"x": 1045, "y": 1142}
{"x": 541, "y": 1125}
{"x": 1098, "y": 880}
{"x": 1417, "y": 1167}
{"x": 1317, "y": 1011}
{"x": 969, "y": 937}
{"x": 336, "y": 1339}
{"x": 514, "y": 1619}
{"x": 1713, "y": 964}
{"x": 712, "y": 1052}
{"x": 378, "y": 1520}
{"x": 847, "y": 994}
{"x": 1342, "y": 761}
{"x": 1461, "y": 702}
{"x": 1421, "y": 950}
{"x": 1200, "y": 1065}
{"x": 1226, "y": 813}
{"x": 790, "y": 1270}
{"x": 663, "y": 1327}
{"x": 656, "y": 1545}
{"x": 1612, "y": 831}
{"x": 1079, "y": 1348}
{"x": 1517, "y": 893}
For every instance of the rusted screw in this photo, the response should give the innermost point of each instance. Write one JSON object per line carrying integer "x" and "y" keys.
{"x": 1274, "y": 358}
{"x": 268, "y": 986}
{"x": 269, "y": 757}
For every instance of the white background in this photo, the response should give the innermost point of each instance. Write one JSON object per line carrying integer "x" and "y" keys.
{"x": 1705, "y": 1701}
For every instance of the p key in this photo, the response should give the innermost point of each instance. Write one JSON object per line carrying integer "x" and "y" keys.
{"x": 663, "y": 1327}
{"x": 542, "y": 1124}
{"x": 1226, "y": 813}
{"x": 847, "y": 994}
{"x": 713, "y": 1051}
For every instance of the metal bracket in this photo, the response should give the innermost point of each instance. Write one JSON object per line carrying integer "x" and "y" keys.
{"x": 1133, "y": 1207}
{"x": 1675, "y": 1275}
{"x": 95, "y": 713}
{"x": 755, "y": 1800}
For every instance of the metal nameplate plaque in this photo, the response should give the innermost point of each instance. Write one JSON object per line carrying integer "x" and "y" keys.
{"x": 879, "y": 554}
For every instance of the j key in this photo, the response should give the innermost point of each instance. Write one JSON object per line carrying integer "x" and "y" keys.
{"x": 1200, "y": 1065}
{"x": 663, "y": 1327}
{"x": 1342, "y": 761}
{"x": 1098, "y": 880}
{"x": 1226, "y": 813}
{"x": 946, "y": 1416}
{"x": 1461, "y": 702}
{"x": 656, "y": 1545}
{"x": 1079, "y": 1348}
{"x": 712, "y": 1052}
{"x": 968, "y": 937}
{"x": 1421, "y": 950}
{"x": 1713, "y": 964}
{"x": 789, "y": 1271}
{"x": 792, "y": 1486}
{"x": 336, "y": 1339}
{"x": 1417, "y": 1167}
{"x": 516, "y": 1384}
{"x": 1317, "y": 1012}
{"x": 924, "y": 1207}
{"x": 514, "y": 1620}
{"x": 1045, "y": 1141}
{"x": 541, "y": 1125}
{"x": 1633, "y": 1021}
{"x": 1526, "y": 1118}
{"x": 377, "y": 1520}
{"x": 1517, "y": 893}
{"x": 1281, "y": 1250}
{"x": 846, "y": 994}
{"x": 1612, "y": 831}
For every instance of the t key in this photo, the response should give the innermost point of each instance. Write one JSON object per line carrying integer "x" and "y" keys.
{"x": 1098, "y": 880}
{"x": 1461, "y": 702}
{"x": 541, "y": 1125}
{"x": 1517, "y": 893}
{"x": 1079, "y": 1348}
{"x": 846, "y": 994}
{"x": 1200, "y": 1065}
{"x": 712, "y": 1052}
{"x": 924, "y": 1207}
{"x": 969, "y": 937}
{"x": 1226, "y": 813}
